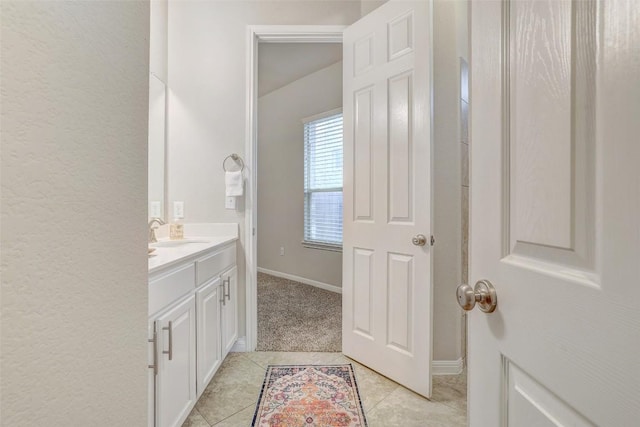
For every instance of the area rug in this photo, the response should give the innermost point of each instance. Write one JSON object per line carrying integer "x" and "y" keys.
{"x": 309, "y": 396}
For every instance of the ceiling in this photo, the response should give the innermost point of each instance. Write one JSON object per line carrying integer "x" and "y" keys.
{"x": 282, "y": 63}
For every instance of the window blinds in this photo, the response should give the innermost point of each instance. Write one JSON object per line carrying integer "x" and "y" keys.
{"x": 323, "y": 180}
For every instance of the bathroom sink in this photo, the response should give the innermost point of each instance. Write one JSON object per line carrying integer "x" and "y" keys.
{"x": 176, "y": 243}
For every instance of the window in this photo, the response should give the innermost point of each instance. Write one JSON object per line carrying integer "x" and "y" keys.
{"x": 323, "y": 181}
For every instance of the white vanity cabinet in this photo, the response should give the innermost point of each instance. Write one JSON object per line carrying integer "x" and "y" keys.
{"x": 192, "y": 326}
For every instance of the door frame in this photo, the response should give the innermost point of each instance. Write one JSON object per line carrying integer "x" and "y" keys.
{"x": 270, "y": 34}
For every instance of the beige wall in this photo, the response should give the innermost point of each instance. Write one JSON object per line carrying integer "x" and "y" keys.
{"x": 281, "y": 175}
{"x": 75, "y": 80}
{"x": 208, "y": 91}
{"x": 369, "y": 5}
{"x": 449, "y": 45}
{"x": 159, "y": 38}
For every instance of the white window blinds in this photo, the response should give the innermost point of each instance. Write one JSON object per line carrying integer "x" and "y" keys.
{"x": 323, "y": 180}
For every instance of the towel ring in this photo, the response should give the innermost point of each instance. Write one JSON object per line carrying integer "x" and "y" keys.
{"x": 236, "y": 159}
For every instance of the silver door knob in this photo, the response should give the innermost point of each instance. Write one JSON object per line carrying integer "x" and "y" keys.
{"x": 419, "y": 240}
{"x": 483, "y": 293}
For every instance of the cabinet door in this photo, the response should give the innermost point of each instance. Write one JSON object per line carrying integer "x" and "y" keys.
{"x": 176, "y": 380}
{"x": 229, "y": 309}
{"x": 208, "y": 299}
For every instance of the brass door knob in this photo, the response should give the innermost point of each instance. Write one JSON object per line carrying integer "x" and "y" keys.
{"x": 484, "y": 294}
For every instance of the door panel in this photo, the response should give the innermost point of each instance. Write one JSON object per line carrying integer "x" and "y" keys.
{"x": 400, "y": 149}
{"x": 386, "y": 279}
{"x": 362, "y": 151}
{"x": 555, "y": 208}
{"x": 540, "y": 70}
{"x": 550, "y": 81}
{"x": 400, "y": 296}
{"x": 229, "y": 309}
{"x": 529, "y": 403}
{"x": 400, "y": 36}
{"x": 176, "y": 380}
{"x": 208, "y": 313}
{"x": 362, "y": 292}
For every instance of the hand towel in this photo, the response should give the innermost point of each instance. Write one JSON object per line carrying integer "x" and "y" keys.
{"x": 233, "y": 183}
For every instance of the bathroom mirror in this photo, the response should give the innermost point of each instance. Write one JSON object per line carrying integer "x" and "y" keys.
{"x": 157, "y": 145}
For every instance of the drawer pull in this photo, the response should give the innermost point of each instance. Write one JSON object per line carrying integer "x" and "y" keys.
{"x": 154, "y": 340}
{"x": 170, "y": 351}
{"x": 227, "y": 292}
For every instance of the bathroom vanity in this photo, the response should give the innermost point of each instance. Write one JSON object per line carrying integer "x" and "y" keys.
{"x": 193, "y": 320}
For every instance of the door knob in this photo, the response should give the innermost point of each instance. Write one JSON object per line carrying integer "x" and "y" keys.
{"x": 483, "y": 293}
{"x": 419, "y": 240}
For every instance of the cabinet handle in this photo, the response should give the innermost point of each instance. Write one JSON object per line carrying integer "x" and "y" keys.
{"x": 223, "y": 301}
{"x": 170, "y": 329}
{"x": 227, "y": 293}
{"x": 154, "y": 340}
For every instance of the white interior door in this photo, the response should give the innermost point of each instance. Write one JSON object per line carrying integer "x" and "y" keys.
{"x": 555, "y": 213}
{"x": 386, "y": 278}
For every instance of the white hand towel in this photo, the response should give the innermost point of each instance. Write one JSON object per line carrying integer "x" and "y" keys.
{"x": 233, "y": 182}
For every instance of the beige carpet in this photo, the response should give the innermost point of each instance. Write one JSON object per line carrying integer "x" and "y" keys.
{"x": 296, "y": 317}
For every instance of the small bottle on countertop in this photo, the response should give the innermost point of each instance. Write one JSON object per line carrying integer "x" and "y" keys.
{"x": 176, "y": 230}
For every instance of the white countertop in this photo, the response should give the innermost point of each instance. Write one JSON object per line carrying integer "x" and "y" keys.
{"x": 208, "y": 236}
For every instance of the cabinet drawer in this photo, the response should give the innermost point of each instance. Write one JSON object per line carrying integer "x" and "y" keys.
{"x": 211, "y": 266}
{"x": 167, "y": 288}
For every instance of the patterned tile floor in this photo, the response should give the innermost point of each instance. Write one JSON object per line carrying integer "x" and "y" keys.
{"x": 230, "y": 398}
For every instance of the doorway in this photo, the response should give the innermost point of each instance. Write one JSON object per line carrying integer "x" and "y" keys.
{"x": 256, "y": 36}
{"x": 299, "y": 197}
{"x": 447, "y": 317}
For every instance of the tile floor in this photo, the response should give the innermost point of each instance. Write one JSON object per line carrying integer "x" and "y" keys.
{"x": 230, "y": 398}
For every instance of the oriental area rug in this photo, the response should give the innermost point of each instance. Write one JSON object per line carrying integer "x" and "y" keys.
{"x": 309, "y": 396}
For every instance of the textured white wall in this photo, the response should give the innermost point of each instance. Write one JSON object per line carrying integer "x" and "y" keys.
{"x": 281, "y": 175}
{"x": 207, "y": 102}
{"x": 74, "y": 269}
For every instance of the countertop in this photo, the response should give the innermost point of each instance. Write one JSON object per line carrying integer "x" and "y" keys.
{"x": 167, "y": 257}
{"x": 212, "y": 236}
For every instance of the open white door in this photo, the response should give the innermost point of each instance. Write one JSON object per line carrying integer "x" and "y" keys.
{"x": 386, "y": 278}
{"x": 555, "y": 213}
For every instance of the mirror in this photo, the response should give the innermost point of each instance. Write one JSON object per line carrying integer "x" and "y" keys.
{"x": 157, "y": 115}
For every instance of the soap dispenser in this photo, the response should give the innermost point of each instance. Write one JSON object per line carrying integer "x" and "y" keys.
{"x": 176, "y": 229}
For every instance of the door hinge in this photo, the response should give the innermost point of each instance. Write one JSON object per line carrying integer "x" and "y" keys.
{"x": 253, "y": 232}
{"x": 433, "y": 240}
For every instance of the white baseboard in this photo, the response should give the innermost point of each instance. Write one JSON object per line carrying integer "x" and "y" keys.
{"x": 240, "y": 346}
{"x": 447, "y": 367}
{"x": 325, "y": 286}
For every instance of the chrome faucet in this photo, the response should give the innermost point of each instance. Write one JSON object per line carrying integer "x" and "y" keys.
{"x": 152, "y": 229}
